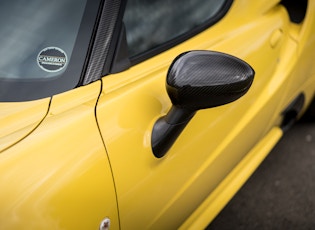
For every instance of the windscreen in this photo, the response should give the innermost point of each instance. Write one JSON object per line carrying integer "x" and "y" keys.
{"x": 38, "y": 42}
{"x": 37, "y": 37}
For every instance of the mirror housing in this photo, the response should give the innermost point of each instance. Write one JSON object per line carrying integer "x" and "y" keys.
{"x": 198, "y": 80}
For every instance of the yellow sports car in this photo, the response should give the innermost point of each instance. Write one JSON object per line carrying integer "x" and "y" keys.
{"x": 143, "y": 114}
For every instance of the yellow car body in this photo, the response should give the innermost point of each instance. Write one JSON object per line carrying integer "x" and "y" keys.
{"x": 73, "y": 159}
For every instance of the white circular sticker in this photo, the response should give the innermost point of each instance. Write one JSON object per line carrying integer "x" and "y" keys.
{"x": 52, "y": 59}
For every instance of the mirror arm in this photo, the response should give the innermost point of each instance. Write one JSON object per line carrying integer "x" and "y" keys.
{"x": 167, "y": 129}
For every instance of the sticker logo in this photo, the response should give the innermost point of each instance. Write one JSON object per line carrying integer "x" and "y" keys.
{"x": 52, "y": 59}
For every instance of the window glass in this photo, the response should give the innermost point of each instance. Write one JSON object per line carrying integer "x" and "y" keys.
{"x": 150, "y": 23}
{"x": 37, "y": 38}
{"x": 43, "y": 46}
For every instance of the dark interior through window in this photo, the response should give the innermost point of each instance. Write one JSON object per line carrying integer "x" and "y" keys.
{"x": 296, "y": 9}
{"x": 151, "y": 24}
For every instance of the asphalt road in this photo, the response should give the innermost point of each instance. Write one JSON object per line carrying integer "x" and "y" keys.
{"x": 281, "y": 193}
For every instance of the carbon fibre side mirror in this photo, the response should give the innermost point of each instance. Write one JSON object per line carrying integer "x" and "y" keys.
{"x": 198, "y": 80}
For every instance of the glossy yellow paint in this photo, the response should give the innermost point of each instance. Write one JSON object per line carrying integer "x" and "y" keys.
{"x": 163, "y": 193}
{"x": 18, "y": 119}
{"x": 59, "y": 176}
{"x": 69, "y": 161}
{"x": 233, "y": 182}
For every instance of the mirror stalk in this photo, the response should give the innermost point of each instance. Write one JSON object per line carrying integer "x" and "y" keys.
{"x": 167, "y": 129}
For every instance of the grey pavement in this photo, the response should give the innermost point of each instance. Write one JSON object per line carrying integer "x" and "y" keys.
{"x": 281, "y": 193}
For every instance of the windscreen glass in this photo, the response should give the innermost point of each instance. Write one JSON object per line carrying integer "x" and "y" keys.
{"x": 42, "y": 42}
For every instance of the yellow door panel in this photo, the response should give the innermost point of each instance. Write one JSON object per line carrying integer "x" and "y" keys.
{"x": 232, "y": 183}
{"x": 162, "y": 193}
{"x": 59, "y": 177}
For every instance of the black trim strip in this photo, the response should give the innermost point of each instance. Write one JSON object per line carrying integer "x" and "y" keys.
{"x": 103, "y": 40}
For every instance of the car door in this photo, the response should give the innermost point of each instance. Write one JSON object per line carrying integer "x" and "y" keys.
{"x": 221, "y": 146}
